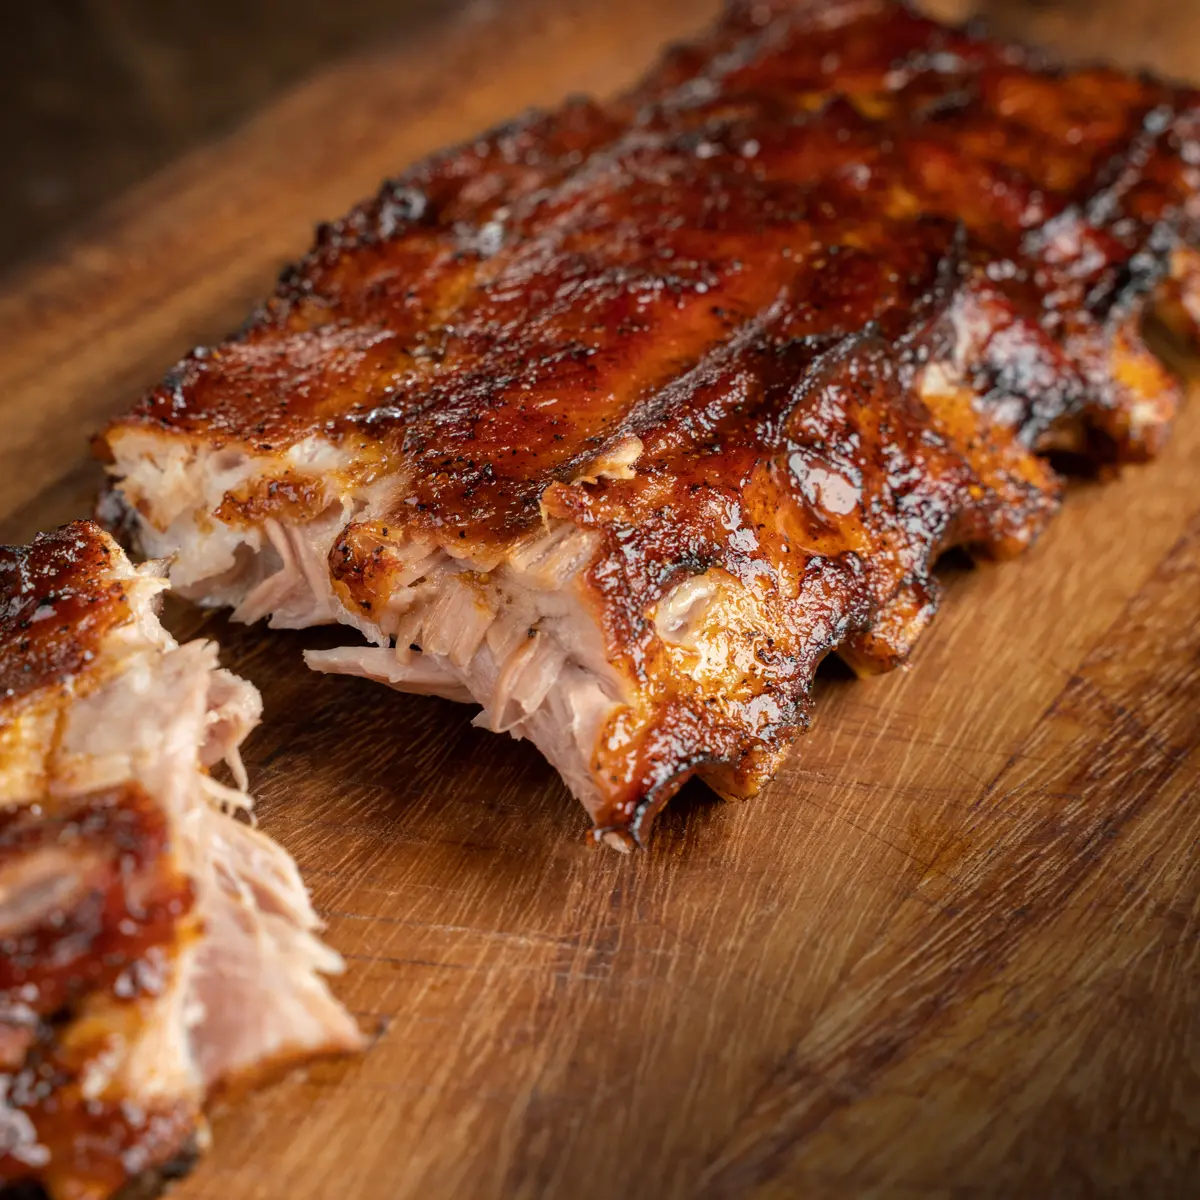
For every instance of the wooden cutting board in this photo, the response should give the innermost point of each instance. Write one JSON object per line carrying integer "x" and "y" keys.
{"x": 953, "y": 950}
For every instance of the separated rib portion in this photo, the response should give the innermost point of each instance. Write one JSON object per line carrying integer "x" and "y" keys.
{"x": 620, "y": 418}
{"x": 154, "y": 949}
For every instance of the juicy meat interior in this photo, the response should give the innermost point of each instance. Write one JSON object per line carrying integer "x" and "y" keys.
{"x": 618, "y": 418}
{"x": 155, "y": 949}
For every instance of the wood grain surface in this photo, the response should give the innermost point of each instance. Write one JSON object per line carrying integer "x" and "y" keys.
{"x": 952, "y": 951}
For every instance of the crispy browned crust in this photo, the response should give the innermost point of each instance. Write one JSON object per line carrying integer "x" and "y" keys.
{"x": 750, "y": 263}
{"x": 58, "y": 599}
{"x": 70, "y": 989}
{"x": 73, "y": 980}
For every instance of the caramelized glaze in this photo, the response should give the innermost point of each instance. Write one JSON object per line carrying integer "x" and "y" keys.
{"x": 844, "y": 272}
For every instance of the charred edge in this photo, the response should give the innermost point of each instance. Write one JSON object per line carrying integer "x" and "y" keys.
{"x": 26, "y": 1189}
{"x": 147, "y": 1185}
{"x": 636, "y": 831}
{"x": 154, "y": 1180}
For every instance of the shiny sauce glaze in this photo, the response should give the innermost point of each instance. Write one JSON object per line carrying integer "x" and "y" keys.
{"x": 845, "y": 273}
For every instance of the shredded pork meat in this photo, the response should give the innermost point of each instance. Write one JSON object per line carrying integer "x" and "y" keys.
{"x": 157, "y": 948}
{"x": 619, "y": 418}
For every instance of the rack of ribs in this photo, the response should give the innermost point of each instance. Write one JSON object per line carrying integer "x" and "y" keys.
{"x": 156, "y": 951}
{"x": 619, "y": 418}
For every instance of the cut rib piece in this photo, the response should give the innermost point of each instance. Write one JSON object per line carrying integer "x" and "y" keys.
{"x": 618, "y": 419}
{"x": 155, "y": 950}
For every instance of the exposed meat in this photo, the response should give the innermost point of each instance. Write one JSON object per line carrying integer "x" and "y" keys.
{"x": 619, "y": 418}
{"x": 155, "y": 949}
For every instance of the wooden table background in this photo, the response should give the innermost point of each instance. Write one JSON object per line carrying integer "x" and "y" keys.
{"x": 952, "y": 950}
{"x": 97, "y": 94}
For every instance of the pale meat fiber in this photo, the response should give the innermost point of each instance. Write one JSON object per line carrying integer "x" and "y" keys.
{"x": 200, "y": 969}
{"x": 618, "y": 419}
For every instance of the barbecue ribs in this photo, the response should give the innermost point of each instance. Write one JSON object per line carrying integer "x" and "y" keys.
{"x": 154, "y": 949}
{"x": 619, "y": 418}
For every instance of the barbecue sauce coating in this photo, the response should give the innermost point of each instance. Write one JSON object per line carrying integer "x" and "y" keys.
{"x": 71, "y": 987}
{"x": 97, "y": 906}
{"x": 844, "y": 272}
{"x": 59, "y": 601}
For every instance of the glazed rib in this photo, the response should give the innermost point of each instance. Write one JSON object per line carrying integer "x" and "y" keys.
{"x": 620, "y": 418}
{"x": 155, "y": 950}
